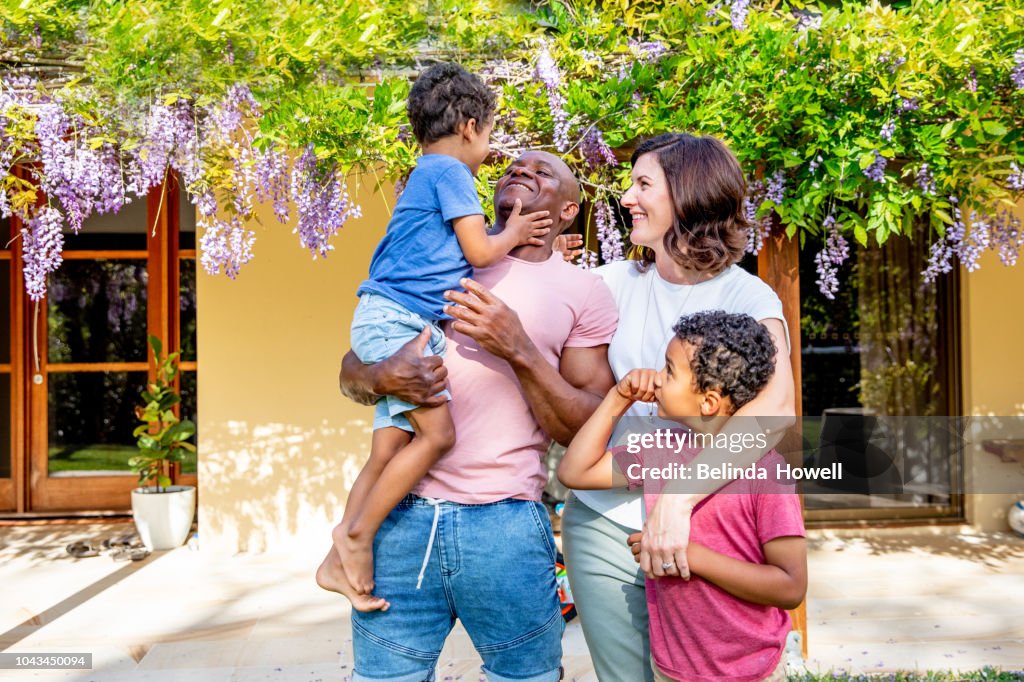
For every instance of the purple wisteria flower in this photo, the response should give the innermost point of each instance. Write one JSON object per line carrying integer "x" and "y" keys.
{"x": 776, "y": 189}
{"x": 876, "y": 171}
{"x": 1015, "y": 180}
{"x": 608, "y": 234}
{"x": 815, "y": 162}
{"x": 588, "y": 260}
{"x": 596, "y": 151}
{"x": 1017, "y": 73}
{"x": 738, "y": 13}
{"x": 647, "y": 52}
{"x": 971, "y": 79}
{"x": 225, "y": 245}
{"x": 271, "y": 176}
{"x": 548, "y": 73}
{"x": 925, "y": 180}
{"x": 322, "y": 203}
{"x": 828, "y": 260}
{"x": 43, "y": 244}
{"x": 888, "y": 130}
{"x": 905, "y": 105}
{"x": 760, "y": 228}
{"x": 940, "y": 256}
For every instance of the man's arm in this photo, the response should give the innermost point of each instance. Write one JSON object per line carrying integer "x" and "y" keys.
{"x": 406, "y": 374}
{"x": 561, "y": 399}
{"x": 781, "y": 582}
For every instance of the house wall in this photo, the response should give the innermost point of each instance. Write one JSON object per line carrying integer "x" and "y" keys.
{"x": 279, "y": 447}
{"x": 992, "y": 331}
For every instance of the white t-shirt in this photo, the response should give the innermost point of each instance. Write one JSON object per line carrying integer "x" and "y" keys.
{"x": 648, "y": 308}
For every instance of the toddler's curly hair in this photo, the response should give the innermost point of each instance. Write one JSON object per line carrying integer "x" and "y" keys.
{"x": 733, "y": 354}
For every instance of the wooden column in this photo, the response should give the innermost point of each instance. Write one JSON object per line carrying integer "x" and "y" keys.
{"x": 778, "y": 264}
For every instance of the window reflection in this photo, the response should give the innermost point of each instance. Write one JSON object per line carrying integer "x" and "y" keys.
{"x": 92, "y": 416}
{"x": 97, "y": 311}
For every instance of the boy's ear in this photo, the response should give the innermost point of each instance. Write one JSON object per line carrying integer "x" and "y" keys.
{"x": 711, "y": 403}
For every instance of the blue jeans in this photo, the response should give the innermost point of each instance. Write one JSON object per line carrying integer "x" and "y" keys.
{"x": 492, "y": 566}
{"x": 379, "y": 328}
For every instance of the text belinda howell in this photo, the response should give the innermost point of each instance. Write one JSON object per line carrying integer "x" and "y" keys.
{"x": 726, "y": 472}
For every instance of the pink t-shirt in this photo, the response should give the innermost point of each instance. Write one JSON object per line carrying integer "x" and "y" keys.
{"x": 698, "y": 630}
{"x": 499, "y": 446}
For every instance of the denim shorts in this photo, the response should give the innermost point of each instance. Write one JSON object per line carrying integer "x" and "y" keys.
{"x": 380, "y": 327}
{"x": 492, "y": 566}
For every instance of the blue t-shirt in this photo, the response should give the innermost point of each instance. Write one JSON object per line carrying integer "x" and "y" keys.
{"x": 420, "y": 257}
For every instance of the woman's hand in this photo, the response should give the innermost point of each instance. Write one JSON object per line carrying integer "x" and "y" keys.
{"x": 486, "y": 319}
{"x": 569, "y": 245}
{"x": 666, "y": 536}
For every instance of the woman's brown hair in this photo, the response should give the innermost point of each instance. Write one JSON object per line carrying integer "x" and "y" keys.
{"x": 707, "y": 189}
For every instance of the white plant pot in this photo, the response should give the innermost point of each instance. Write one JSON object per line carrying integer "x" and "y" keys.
{"x": 163, "y": 519}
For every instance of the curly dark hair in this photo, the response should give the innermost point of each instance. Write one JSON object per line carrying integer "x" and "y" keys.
{"x": 707, "y": 188}
{"x": 444, "y": 97}
{"x": 734, "y": 354}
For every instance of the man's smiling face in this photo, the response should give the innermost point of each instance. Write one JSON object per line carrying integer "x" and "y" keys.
{"x": 538, "y": 179}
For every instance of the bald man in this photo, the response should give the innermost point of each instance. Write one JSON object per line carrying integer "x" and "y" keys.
{"x": 526, "y": 362}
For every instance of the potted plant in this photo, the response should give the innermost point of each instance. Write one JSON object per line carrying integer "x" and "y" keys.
{"x": 163, "y": 512}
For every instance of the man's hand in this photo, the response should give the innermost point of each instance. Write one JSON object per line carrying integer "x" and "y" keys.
{"x": 638, "y": 385}
{"x": 411, "y": 376}
{"x": 486, "y": 319}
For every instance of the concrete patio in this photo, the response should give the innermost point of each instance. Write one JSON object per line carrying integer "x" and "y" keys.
{"x": 879, "y": 600}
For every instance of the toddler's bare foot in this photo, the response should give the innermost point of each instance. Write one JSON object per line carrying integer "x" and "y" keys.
{"x": 356, "y": 556}
{"x": 331, "y": 576}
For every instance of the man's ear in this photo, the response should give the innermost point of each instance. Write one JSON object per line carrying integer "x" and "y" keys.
{"x": 569, "y": 212}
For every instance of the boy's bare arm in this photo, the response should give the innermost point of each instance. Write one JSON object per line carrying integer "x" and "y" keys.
{"x": 587, "y": 463}
{"x": 782, "y": 582}
{"x": 482, "y": 249}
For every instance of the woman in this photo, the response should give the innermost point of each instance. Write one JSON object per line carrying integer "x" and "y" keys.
{"x": 688, "y": 233}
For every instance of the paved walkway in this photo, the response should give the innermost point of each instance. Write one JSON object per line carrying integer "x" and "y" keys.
{"x": 878, "y": 601}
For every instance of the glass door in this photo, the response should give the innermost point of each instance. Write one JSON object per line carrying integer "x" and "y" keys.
{"x": 87, "y": 355}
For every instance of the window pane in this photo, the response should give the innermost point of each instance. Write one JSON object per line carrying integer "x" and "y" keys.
{"x": 5, "y": 311}
{"x": 92, "y": 416}
{"x": 5, "y": 233}
{"x": 188, "y": 411}
{"x": 125, "y": 229}
{"x": 186, "y": 221}
{"x": 5, "y": 425}
{"x": 879, "y": 349}
{"x": 187, "y": 298}
{"x": 97, "y": 311}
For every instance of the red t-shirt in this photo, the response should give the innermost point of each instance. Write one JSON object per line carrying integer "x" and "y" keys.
{"x": 698, "y": 630}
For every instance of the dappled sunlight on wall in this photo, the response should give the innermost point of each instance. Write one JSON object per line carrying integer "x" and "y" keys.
{"x": 993, "y": 380}
{"x": 279, "y": 446}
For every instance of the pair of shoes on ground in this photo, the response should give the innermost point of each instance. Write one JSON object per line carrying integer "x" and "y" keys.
{"x": 120, "y": 548}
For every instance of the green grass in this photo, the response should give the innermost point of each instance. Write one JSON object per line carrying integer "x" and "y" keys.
{"x": 99, "y": 457}
{"x": 987, "y": 674}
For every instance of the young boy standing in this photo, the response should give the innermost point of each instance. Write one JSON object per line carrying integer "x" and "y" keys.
{"x": 747, "y": 553}
{"x": 435, "y": 237}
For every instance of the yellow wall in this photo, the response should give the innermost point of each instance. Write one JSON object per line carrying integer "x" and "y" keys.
{"x": 279, "y": 446}
{"x": 992, "y": 309}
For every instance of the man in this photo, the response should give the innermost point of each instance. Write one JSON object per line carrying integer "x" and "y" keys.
{"x": 526, "y": 362}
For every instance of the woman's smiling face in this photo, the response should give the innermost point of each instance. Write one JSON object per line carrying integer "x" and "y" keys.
{"x": 649, "y": 202}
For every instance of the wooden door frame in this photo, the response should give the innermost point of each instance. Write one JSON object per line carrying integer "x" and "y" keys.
{"x": 30, "y": 454}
